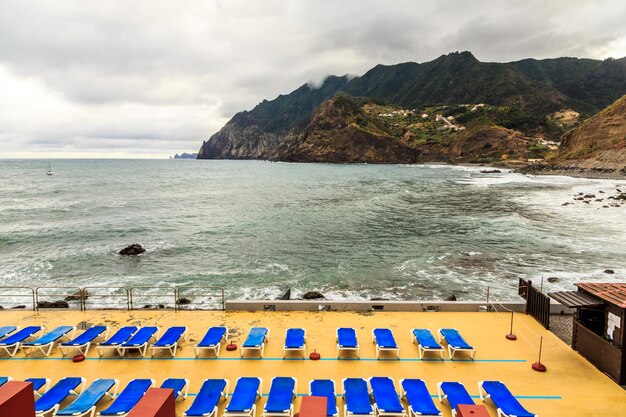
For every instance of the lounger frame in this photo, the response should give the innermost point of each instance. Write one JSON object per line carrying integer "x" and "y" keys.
{"x": 45, "y": 387}
{"x": 114, "y": 398}
{"x": 143, "y": 348}
{"x": 334, "y": 393}
{"x": 421, "y": 350}
{"x": 260, "y": 348}
{"x": 379, "y": 349}
{"x": 442, "y": 396}
{"x": 16, "y": 346}
{"x": 100, "y": 348}
{"x": 92, "y": 411}
{"x": 487, "y": 395}
{"x": 84, "y": 348}
{"x": 296, "y": 349}
{"x": 170, "y": 348}
{"x": 52, "y": 411}
{"x": 215, "y": 348}
{"x": 47, "y": 348}
{"x": 252, "y": 411}
{"x": 356, "y": 350}
{"x": 452, "y": 350}
{"x": 412, "y": 412}
{"x": 347, "y": 413}
{"x": 183, "y": 395}
{"x": 382, "y": 413}
{"x": 289, "y": 412}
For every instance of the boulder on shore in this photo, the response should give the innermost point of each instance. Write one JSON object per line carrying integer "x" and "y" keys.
{"x": 77, "y": 296}
{"x": 312, "y": 295}
{"x": 451, "y": 298}
{"x": 609, "y": 271}
{"x": 183, "y": 301}
{"x": 53, "y": 304}
{"x": 553, "y": 279}
{"x": 132, "y": 250}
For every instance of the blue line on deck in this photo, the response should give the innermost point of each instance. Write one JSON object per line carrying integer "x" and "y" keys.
{"x": 276, "y": 359}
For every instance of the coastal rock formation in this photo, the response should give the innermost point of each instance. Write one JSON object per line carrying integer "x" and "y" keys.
{"x": 52, "y": 304}
{"x": 515, "y": 104}
{"x": 132, "y": 250}
{"x": 312, "y": 295}
{"x": 599, "y": 142}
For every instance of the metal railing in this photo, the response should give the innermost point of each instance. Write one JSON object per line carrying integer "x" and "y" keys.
{"x": 198, "y": 298}
{"x": 17, "y": 297}
{"x": 113, "y": 298}
{"x": 109, "y": 298}
{"x": 152, "y": 297}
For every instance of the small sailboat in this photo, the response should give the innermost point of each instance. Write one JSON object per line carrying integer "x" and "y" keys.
{"x": 49, "y": 169}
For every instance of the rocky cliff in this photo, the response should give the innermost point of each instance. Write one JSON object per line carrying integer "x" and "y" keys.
{"x": 599, "y": 142}
{"x": 513, "y": 102}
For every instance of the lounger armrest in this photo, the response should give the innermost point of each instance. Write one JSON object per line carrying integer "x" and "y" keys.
{"x": 260, "y": 390}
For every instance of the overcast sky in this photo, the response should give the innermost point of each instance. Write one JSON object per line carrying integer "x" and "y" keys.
{"x": 152, "y": 78}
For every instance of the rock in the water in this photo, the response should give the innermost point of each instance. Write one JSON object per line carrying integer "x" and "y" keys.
{"x": 609, "y": 271}
{"x": 554, "y": 279}
{"x": 53, "y": 304}
{"x": 565, "y": 204}
{"x": 622, "y": 196}
{"x": 379, "y": 299}
{"x": 77, "y": 296}
{"x": 147, "y": 306}
{"x": 451, "y": 298}
{"x": 491, "y": 171}
{"x": 183, "y": 301}
{"x": 1, "y": 308}
{"x": 589, "y": 196}
{"x": 286, "y": 295}
{"x": 131, "y": 250}
{"x": 312, "y": 295}
{"x": 18, "y": 307}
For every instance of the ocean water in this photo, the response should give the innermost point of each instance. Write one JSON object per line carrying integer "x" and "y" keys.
{"x": 258, "y": 228}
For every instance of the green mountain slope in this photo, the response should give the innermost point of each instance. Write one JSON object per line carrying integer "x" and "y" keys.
{"x": 520, "y": 96}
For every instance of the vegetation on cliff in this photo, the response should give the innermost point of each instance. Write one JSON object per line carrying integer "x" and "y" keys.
{"x": 511, "y": 109}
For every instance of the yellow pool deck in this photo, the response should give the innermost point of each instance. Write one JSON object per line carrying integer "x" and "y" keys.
{"x": 571, "y": 386}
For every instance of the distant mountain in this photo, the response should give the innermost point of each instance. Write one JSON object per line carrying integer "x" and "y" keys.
{"x": 519, "y": 96}
{"x": 185, "y": 156}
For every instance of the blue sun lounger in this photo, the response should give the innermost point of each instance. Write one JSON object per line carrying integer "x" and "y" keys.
{"x": 243, "y": 402}
{"x": 128, "y": 398}
{"x": 507, "y": 405}
{"x": 169, "y": 340}
{"x": 256, "y": 340}
{"x": 356, "y": 397}
{"x": 117, "y": 339}
{"x": 46, "y": 342}
{"x": 346, "y": 340}
{"x": 386, "y": 401}
{"x": 50, "y": 401}
{"x": 39, "y": 383}
{"x": 179, "y": 385}
{"x": 280, "y": 398}
{"x": 325, "y": 388}
{"x": 426, "y": 342}
{"x": 455, "y": 342}
{"x": 385, "y": 342}
{"x": 419, "y": 399}
{"x": 456, "y": 394}
{"x": 212, "y": 340}
{"x": 295, "y": 341}
{"x": 7, "y": 330}
{"x": 207, "y": 399}
{"x": 12, "y": 343}
{"x": 87, "y": 401}
{"x": 139, "y": 340}
{"x": 83, "y": 341}
{"x": 4, "y": 380}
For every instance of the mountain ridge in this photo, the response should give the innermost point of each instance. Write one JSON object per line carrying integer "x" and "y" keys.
{"x": 522, "y": 95}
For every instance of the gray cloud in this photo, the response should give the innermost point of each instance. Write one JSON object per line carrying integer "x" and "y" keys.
{"x": 157, "y": 77}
